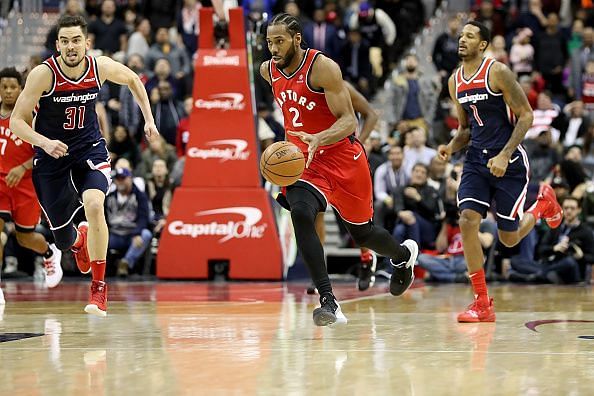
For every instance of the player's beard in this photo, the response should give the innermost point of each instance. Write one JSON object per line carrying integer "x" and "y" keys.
{"x": 288, "y": 58}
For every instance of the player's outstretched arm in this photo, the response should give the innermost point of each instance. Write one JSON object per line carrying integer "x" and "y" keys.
{"x": 38, "y": 81}
{"x": 362, "y": 106}
{"x": 462, "y": 136}
{"x": 121, "y": 74}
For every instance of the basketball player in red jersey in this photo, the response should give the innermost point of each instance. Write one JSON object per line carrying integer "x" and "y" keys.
{"x": 71, "y": 169}
{"x": 319, "y": 119}
{"x": 494, "y": 115}
{"x": 18, "y": 202}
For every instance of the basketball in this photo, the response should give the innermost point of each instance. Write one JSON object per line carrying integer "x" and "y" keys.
{"x": 282, "y": 163}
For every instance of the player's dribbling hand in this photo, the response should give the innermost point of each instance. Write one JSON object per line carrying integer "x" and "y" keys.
{"x": 55, "y": 148}
{"x": 445, "y": 152}
{"x": 313, "y": 141}
{"x": 150, "y": 131}
{"x": 498, "y": 164}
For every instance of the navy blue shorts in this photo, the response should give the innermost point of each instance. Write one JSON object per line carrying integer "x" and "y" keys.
{"x": 60, "y": 183}
{"x": 479, "y": 188}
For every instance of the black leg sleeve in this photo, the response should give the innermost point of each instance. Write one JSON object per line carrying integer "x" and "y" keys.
{"x": 379, "y": 240}
{"x": 305, "y": 206}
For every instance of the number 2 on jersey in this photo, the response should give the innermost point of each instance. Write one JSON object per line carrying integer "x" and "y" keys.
{"x": 476, "y": 115}
{"x": 71, "y": 117}
{"x": 296, "y": 114}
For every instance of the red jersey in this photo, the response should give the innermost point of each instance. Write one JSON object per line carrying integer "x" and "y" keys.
{"x": 13, "y": 151}
{"x": 304, "y": 108}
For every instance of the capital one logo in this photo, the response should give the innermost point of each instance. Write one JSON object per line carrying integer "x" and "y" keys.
{"x": 228, "y": 149}
{"x": 246, "y": 227}
{"x": 221, "y": 59}
{"x": 223, "y": 101}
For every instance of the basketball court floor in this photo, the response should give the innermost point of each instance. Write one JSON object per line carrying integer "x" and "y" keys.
{"x": 182, "y": 338}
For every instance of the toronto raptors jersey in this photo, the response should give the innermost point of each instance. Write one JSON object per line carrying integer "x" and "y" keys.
{"x": 67, "y": 111}
{"x": 13, "y": 151}
{"x": 491, "y": 120}
{"x": 304, "y": 108}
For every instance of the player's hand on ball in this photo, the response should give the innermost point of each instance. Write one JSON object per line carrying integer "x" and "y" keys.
{"x": 150, "y": 131}
{"x": 313, "y": 141}
{"x": 55, "y": 148}
{"x": 444, "y": 152}
{"x": 498, "y": 164}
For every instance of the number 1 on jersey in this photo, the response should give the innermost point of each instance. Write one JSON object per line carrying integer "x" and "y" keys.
{"x": 476, "y": 115}
{"x": 71, "y": 117}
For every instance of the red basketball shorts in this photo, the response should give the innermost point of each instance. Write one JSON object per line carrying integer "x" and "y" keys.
{"x": 342, "y": 175}
{"x": 19, "y": 203}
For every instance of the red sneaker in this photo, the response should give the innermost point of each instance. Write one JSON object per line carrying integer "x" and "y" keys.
{"x": 553, "y": 214}
{"x": 478, "y": 311}
{"x": 98, "y": 301}
{"x": 81, "y": 254}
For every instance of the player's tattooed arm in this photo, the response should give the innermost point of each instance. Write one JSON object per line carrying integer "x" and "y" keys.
{"x": 265, "y": 71}
{"x": 362, "y": 106}
{"x": 462, "y": 136}
{"x": 39, "y": 81}
{"x": 504, "y": 80}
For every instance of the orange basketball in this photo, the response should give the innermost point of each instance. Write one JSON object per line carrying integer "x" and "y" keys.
{"x": 282, "y": 163}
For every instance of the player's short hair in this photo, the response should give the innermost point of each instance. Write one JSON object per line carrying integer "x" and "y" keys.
{"x": 292, "y": 24}
{"x": 11, "y": 72}
{"x": 484, "y": 31}
{"x": 71, "y": 21}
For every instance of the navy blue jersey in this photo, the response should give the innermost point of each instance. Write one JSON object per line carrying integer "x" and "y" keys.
{"x": 67, "y": 111}
{"x": 491, "y": 120}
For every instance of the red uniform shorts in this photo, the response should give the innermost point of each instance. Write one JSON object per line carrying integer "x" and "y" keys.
{"x": 342, "y": 175}
{"x": 19, "y": 203}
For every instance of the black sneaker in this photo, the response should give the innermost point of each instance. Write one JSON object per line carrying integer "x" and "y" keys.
{"x": 367, "y": 273}
{"x": 329, "y": 312}
{"x": 403, "y": 274}
{"x": 311, "y": 289}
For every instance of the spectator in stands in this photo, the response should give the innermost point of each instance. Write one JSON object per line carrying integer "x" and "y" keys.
{"x": 492, "y": 19}
{"x": 167, "y": 111}
{"x": 528, "y": 88}
{"x": 546, "y": 111}
{"x": 163, "y": 73}
{"x": 141, "y": 38}
{"x": 423, "y": 210}
{"x": 388, "y": 183}
{"x": 533, "y": 17}
{"x": 72, "y": 8}
{"x": 182, "y": 135}
{"x": 576, "y": 39}
{"x": 157, "y": 149}
{"x": 416, "y": 150}
{"x": 354, "y": 61}
{"x": 108, "y": 33}
{"x": 543, "y": 157}
{"x": 122, "y": 145}
{"x": 437, "y": 175}
{"x": 497, "y": 50}
{"x": 188, "y": 25}
{"x": 587, "y": 87}
{"x": 160, "y": 193}
{"x": 322, "y": 35}
{"x": 572, "y": 170}
{"x": 445, "y": 52}
{"x": 564, "y": 252}
{"x": 162, "y": 48}
{"x": 521, "y": 55}
{"x": 127, "y": 215}
{"x": 129, "y": 114}
{"x": 579, "y": 60}
{"x": 161, "y": 13}
{"x": 414, "y": 95}
{"x": 375, "y": 155}
{"x": 130, "y": 18}
{"x": 551, "y": 55}
{"x": 573, "y": 123}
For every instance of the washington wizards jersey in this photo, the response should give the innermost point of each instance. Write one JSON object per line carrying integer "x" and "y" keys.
{"x": 67, "y": 111}
{"x": 491, "y": 119}
{"x": 304, "y": 108}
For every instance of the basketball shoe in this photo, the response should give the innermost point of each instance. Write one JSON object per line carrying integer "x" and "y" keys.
{"x": 367, "y": 270}
{"x": 481, "y": 310}
{"x": 53, "y": 268}
{"x": 81, "y": 254}
{"x": 547, "y": 207}
{"x": 329, "y": 312}
{"x": 403, "y": 273}
{"x": 2, "y": 300}
{"x": 98, "y": 301}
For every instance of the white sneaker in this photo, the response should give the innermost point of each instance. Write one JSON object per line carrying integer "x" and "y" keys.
{"x": 2, "y": 300}
{"x": 53, "y": 268}
{"x": 329, "y": 312}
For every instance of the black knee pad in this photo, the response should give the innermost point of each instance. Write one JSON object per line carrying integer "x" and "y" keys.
{"x": 303, "y": 213}
{"x": 64, "y": 237}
